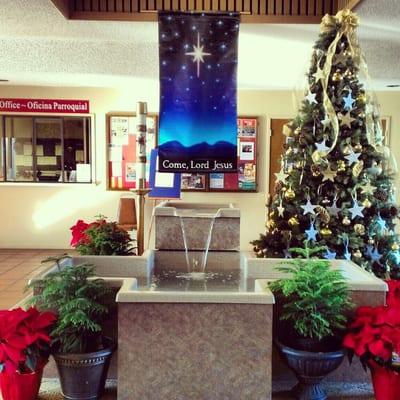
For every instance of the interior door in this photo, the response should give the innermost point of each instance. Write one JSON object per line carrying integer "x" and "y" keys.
{"x": 276, "y": 149}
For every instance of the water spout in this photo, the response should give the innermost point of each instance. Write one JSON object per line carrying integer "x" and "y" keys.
{"x": 192, "y": 266}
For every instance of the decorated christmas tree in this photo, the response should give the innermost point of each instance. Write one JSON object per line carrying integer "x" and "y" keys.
{"x": 335, "y": 185}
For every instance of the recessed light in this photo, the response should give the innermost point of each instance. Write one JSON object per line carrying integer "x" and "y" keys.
{"x": 4, "y": 80}
{"x": 392, "y": 86}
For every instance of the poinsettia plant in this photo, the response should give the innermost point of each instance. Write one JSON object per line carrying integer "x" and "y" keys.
{"x": 374, "y": 333}
{"x": 100, "y": 237}
{"x": 24, "y": 339}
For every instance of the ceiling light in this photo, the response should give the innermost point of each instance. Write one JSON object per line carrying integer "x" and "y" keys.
{"x": 393, "y": 86}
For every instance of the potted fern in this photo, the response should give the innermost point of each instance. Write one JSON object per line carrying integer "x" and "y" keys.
{"x": 312, "y": 303}
{"x": 82, "y": 354}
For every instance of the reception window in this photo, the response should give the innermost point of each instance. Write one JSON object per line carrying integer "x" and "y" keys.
{"x": 45, "y": 149}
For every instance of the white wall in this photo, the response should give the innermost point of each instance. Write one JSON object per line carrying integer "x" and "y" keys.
{"x": 39, "y": 216}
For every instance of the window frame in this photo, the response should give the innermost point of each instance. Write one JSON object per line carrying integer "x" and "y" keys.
{"x": 90, "y": 126}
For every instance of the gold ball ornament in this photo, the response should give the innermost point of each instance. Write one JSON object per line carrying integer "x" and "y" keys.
{"x": 297, "y": 131}
{"x": 395, "y": 246}
{"x": 346, "y": 150}
{"x": 362, "y": 98}
{"x": 290, "y": 194}
{"x": 358, "y": 148}
{"x": 359, "y": 229}
{"x": 293, "y": 221}
{"x": 366, "y": 203}
{"x": 357, "y": 254}
{"x": 326, "y": 232}
{"x": 337, "y": 76}
{"x": 347, "y": 53}
{"x": 315, "y": 170}
{"x": 348, "y": 73}
{"x": 346, "y": 221}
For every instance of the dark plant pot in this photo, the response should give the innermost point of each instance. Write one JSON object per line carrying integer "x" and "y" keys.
{"x": 310, "y": 369}
{"x": 83, "y": 376}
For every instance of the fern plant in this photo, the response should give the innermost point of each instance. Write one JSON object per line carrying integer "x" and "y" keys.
{"x": 79, "y": 300}
{"x": 315, "y": 298}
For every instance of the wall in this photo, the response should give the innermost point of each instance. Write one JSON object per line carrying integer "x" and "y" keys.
{"x": 39, "y": 216}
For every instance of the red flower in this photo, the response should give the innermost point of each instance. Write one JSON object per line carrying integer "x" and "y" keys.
{"x": 78, "y": 233}
{"x": 374, "y": 332}
{"x": 20, "y": 330}
{"x": 393, "y": 295}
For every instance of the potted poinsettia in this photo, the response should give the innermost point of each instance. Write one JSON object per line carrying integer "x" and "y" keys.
{"x": 100, "y": 237}
{"x": 374, "y": 336}
{"x": 24, "y": 351}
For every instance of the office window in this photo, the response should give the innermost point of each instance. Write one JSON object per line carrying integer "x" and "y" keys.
{"x": 46, "y": 149}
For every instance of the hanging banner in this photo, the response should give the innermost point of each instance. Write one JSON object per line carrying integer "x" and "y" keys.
{"x": 198, "y": 109}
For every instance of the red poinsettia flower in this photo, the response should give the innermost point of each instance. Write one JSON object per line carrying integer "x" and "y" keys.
{"x": 374, "y": 332}
{"x": 78, "y": 233}
{"x": 20, "y": 330}
{"x": 12, "y": 343}
{"x": 36, "y": 325}
{"x": 393, "y": 295}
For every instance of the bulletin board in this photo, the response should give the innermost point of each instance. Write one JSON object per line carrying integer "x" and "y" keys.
{"x": 245, "y": 180}
{"x": 121, "y": 149}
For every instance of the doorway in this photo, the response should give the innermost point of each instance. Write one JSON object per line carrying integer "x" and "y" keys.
{"x": 277, "y": 142}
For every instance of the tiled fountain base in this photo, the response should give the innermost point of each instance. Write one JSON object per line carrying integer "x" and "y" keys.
{"x": 50, "y": 391}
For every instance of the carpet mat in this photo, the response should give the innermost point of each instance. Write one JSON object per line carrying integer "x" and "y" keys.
{"x": 50, "y": 390}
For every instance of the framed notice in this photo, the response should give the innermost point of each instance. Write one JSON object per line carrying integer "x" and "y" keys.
{"x": 121, "y": 149}
{"x": 245, "y": 179}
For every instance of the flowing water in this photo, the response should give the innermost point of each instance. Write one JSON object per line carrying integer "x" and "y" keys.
{"x": 196, "y": 269}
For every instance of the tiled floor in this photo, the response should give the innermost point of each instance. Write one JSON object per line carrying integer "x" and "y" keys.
{"x": 16, "y": 268}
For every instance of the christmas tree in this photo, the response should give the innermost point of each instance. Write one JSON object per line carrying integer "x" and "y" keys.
{"x": 335, "y": 187}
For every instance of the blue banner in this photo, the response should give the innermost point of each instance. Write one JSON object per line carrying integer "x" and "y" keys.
{"x": 198, "y": 85}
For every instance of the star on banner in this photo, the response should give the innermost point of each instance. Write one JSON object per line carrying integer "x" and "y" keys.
{"x": 356, "y": 210}
{"x": 346, "y": 119}
{"x": 322, "y": 147}
{"x": 311, "y": 98}
{"x": 198, "y": 54}
{"x": 348, "y": 102}
{"x": 329, "y": 175}
{"x": 311, "y": 232}
{"x": 281, "y": 176}
{"x": 352, "y": 157}
{"x": 308, "y": 208}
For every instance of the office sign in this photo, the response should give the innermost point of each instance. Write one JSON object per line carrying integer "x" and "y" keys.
{"x": 59, "y": 106}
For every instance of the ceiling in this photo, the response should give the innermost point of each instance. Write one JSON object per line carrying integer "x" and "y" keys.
{"x": 38, "y": 46}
